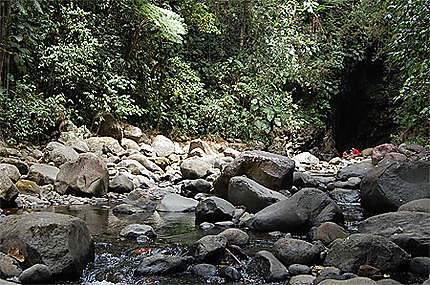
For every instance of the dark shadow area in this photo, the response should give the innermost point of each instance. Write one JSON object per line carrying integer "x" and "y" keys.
{"x": 362, "y": 111}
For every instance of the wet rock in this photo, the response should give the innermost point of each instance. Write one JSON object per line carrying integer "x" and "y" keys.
{"x": 308, "y": 207}
{"x": 61, "y": 242}
{"x": 255, "y": 197}
{"x": 420, "y": 266}
{"x": 36, "y": 274}
{"x": 21, "y": 165}
{"x": 328, "y": 232}
{"x": 303, "y": 179}
{"x": 358, "y": 249}
{"x": 214, "y": 209}
{"x": 329, "y": 273}
{"x": 270, "y": 170}
{"x": 10, "y": 171}
{"x": 235, "y": 237}
{"x": 8, "y": 192}
{"x": 388, "y": 187}
{"x": 203, "y": 270}
{"x": 104, "y": 145}
{"x": 265, "y": 264}
{"x": 420, "y": 205}
{"x": 231, "y": 273}
{"x": 190, "y": 188}
{"x": 86, "y": 176}
{"x": 4, "y": 282}
{"x": 121, "y": 184}
{"x": 172, "y": 202}
{"x": 380, "y": 151}
{"x": 209, "y": 248}
{"x": 163, "y": 146}
{"x": 351, "y": 183}
{"x": 299, "y": 269}
{"x": 162, "y": 264}
{"x": 206, "y": 226}
{"x": 302, "y": 280}
{"x": 134, "y": 230}
{"x": 59, "y": 154}
{"x": 42, "y": 174}
{"x": 292, "y": 251}
{"x": 409, "y": 230}
{"x": 195, "y": 168}
{"x": 345, "y": 196}
{"x": 127, "y": 209}
{"x": 355, "y": 170}
{"x": 9, "y": 266}
{"x": 353, "y": 281}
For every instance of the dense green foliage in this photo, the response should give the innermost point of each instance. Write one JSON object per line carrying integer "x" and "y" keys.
{"x": 262, "y": 69}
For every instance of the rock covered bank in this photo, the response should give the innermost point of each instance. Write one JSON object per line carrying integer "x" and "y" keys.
{"x": 300, "y": 200}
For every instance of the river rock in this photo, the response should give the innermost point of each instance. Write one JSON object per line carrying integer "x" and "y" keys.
{"x": 10, "y": 171}
{"x": 380, "y": 151}
{"x": 21, "y": 165}
{"x": 305, "y": 209}
{"x": 355, "y": 170}
{"x": 28, "y": 187}
{"x": 359, "y": 249}
{"x": 420, "y": 205}
{"x": 305, "y": 158}
{"x": 299, "y": 269}
{"x": 8, "y": 192}
{"x": 231, "y": 273}
{"x": 195, "y": 168}
{"x": 388, "y": 282}
{"x": 86, "y": 176}
{"x": 36, "y": 274}
{"x": 132, "y": 132}
{"x": 43, "y": 174}
{"x": 59, "y": 154}
{"x": 121, "y": 184}
{"x": 235, "y": 237}
{"x": 328, "y": 232}
{"x": 203, "y": 270}
{"x": 388, "y": 187}
{"x": 352, "y": 281}
{"x": 162, "y": 264}
{"x": 302, "y": 280}
{"x": 270, "y": 170}
{"x": 107, "y": 125}
{"x": 61, "y": 242}
{"x": 104, "y": 145}
{"x": 329, "y": 273}
{"x": 163, "y": 146}
{"x": 172, "y": 202}
{"x": 134, "y": 230}
{"x": 409, "y": 230}
{"x": 9, "y": 266}
{"x": 255, "y": 197}
{"x": 198, "y": 143}
{"x": 129, "y": 144}
{"x": 292, "y": 251}
{"x": 265, "y": 264}
{"x": 214, "y": 209}
{"x": 190, "y": 188}
{"x": 148, "y": 164}
{"x": 420, "y": 266}
{"x": 210, "y": 248}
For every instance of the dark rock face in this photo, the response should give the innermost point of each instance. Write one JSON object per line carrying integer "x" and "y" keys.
{"x": 191, "y": 187}
{"x": 363, "y": 249}
{"x": 244, "y": 191}
{"x": 266, "y": 265}
{"x": 209, "y": 248}
{"x": 61, "y": 242}
{"x": 203, "y": 270}
{"x": 293, "y": 251}
{"x": 162, "y": 264}
{"x": 388, "y": 187}
{"x": 107, "y": 125}
{"x": 37, "y": 274}
{"x": 270, "y": 170}
{"x": 380, "y": 151}
{"x": 409, "y": 230}
{"x": 328, "y": 232}
{"x": 355, "y": 170}
{"x": 86, "y": 176}
{"x": 308, "y": 207}
{"x": 214, "y": 209}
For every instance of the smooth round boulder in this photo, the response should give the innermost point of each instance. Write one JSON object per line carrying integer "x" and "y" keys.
{"x": 190, "y": 188}
{"x": 294, "y": 251}
{"x": 420, "y": 205}
{"x": 302, "y": 280}
{"x": 42, "y": 174}
{"x": 387, "y": 187}
{"x": 409, "y": 230}
{"x": 420, "y": 266}
{"x": 265, "y": 264}
{"x": 359, "y": 249}
{"x": 36, "y": 274}
{"x": 354, "y": 170}
{"x": 121, "y": 184}
{"x": 214, "y": 209}
{"x": 134, "y": 230}
{"x": 195, "y": 168}
{"x": 21, "y": 165}
{"x": 61, "y": 242}
{"x": 255, "y": 197}
{"x": 160, "y": 264}
{"x": 163, "y": 146}
{"x": 203, "y": 270}
{"x": 87, "y": 176}
{"x": 328, "y": 232}
{"x": 235, "y": 237}
{"x": 172, "y": 202}
{"x": 307, "y": 208}
{"x": 270, "y": 170}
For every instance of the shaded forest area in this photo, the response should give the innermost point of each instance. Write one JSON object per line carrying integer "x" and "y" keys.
{"x": 323, "y": 75}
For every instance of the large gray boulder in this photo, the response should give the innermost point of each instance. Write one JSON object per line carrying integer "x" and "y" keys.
{"x": 391, "y": 185}
{"x": 364, "y": 249}
{"x": 214, "y": 209}
{"x": 10, "y": 171}
{"x": 355, "y": 170}
{"x": 409, "y": 230}
{"x": 162, "y": 264}
{"x": 195, "y": 168}
{"x": 294, "y": 251}
{"x": 352, "y": 281}
{"x": 270, "y": 170}
{"x": 209, "y": 248}
{"x": 172, "y": 202}
{"x": 307, "y": 208}
{"x": 420, "y": 205}
{"x": 61, "y": 242}
{"x": 59, "y": 154}
{"x": 42, "y": 174}
{"x": 266, "y": 265}
{"x": 86, "y": 176}
{"x": 163, "y": 146}
{"x": 8, "y": 192}
{"x": 246, "y": 192}
{"x": 21, "y": 165}
{"x": 104, "y": 145}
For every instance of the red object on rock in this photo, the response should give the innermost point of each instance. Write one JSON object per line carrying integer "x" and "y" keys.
{"x": 355, "y": 152}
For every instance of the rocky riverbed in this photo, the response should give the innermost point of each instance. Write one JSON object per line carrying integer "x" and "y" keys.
{"x": 132, "y": 210}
